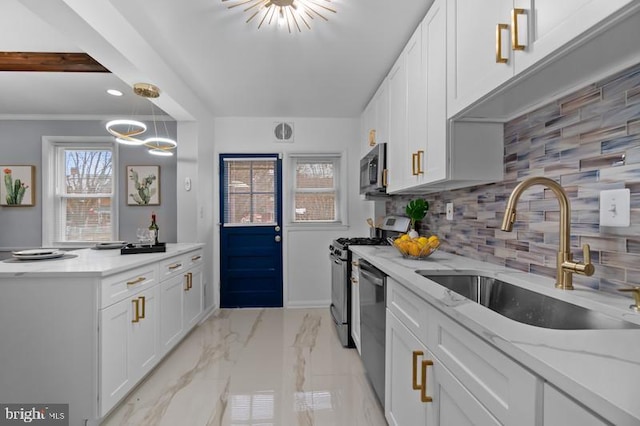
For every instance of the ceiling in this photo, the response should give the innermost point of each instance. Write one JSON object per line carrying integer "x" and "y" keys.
{"x": 204, "y": 57}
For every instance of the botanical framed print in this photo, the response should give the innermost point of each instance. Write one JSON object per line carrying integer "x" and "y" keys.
{"x": 18, "y": 186}
{"x": 143, "y": 185}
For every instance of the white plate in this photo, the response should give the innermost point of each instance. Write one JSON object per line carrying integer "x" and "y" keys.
{"x": 110, "y": 244}
{"x": 49, "y": 255}
{"x": 34, "y": 252}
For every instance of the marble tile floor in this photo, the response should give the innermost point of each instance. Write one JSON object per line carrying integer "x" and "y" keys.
{"x": 256, "y": 367}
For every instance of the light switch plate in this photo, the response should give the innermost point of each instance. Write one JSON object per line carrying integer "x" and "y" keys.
{"x": 449, "y": 211}
{"x": 615, "y": 207}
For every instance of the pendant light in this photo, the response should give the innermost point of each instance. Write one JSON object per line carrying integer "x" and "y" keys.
{"x": 127, "y": 130}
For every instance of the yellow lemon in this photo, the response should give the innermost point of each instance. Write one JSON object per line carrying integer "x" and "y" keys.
{"x": 423, "y": 241}
{"x": 415, "y": 249}
{"x": 405, "y": 237}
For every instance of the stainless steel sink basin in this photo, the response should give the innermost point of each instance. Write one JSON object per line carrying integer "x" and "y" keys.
{"x": 523, "y": 305}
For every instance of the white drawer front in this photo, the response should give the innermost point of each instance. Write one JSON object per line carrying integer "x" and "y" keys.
{"x": 195, "y": 258}
{"x": 505, "y": 388}
{"x": 174, "y": 266}
{"x": 120, "y": 286}
{"x": 410, "y": 309}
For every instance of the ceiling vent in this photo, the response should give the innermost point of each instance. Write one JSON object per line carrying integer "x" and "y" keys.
{"x": 283, "y": 132}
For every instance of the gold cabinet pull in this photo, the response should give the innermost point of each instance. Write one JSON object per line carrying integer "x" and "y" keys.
{"x": 136, "y": 281}
{"x": 515, "y": 43}
{"x": 175, "y": 266}
{"x": 190, "y": 279}
{"x": 499, "y": 29}
{"x": 385, "y": 178}
{"x": 420, "y": 154}
{"x": 194, "y": 258}
{"x": 144, "y": 306}
{"x": 372, "y": 137}
{"x": 186, "y": 283}
{"x": 423, "y": 389}
{"x": 416, "y": 386}
{"x": 414, "y": 160}
{"x": 136, "y": 310}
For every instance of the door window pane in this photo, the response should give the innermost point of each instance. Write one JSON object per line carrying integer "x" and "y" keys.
{"x": 250, "y": 191}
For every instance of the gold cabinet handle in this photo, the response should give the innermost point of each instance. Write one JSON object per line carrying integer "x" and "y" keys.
{"x": 144, "y": 306}
{"x": 194, "y": 258}
{"x": 186, "y": 283}
{"x": 136, "y": 310}
{"x": 416, "y": 354}
{"x": 372, "y": 137}
{"x": 136, "y": 281}
{"x": 515, "y": 43}
{"x": 423, "y": 389}
{"x": 190, "y": 279}
{"x": 385, "y": 178}
{"x": 414, "y": 160}
{"x": 499, "y": 29}
{"x": 175, "y": 266}
{"x": 420, "y": 154}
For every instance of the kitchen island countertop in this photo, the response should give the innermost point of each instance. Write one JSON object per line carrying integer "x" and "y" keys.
{"x": 599, "y": 368}
{"x": 89, "y": 262}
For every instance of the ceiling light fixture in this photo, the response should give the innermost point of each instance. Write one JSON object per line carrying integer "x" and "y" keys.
{"x": 292, "y": 13}
{"x": 114, "y": 92}
{"x": 126, "y": 130}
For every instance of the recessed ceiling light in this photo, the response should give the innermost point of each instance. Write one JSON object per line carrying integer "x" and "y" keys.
{"x": 114, "y": 92}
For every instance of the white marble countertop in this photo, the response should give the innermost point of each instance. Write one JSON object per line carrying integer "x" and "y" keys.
{"x": 89, "y": 262}
{"x": 600, "y": 368}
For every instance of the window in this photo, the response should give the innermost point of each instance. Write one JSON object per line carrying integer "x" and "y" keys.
{"x": 80, "y": 196}
{"x": 316, "y": 196}
{"x": 250, "y": 191}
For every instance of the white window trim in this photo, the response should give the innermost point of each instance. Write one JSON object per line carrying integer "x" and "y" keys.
{"x": 341, "y": 190}
{"x": 49, "y": 145}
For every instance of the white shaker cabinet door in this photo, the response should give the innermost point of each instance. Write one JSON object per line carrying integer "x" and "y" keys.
{"x": 472, "y": 67}
{"x": 171, "y": 312}
{"x": 115, "y": 372}
{"x": 403, "y": 404}
{"x": 193, "y": 297}
{"x": 143, "y": 333}
{"x": 547, "y": 25}
{"x": 397, "y": 147}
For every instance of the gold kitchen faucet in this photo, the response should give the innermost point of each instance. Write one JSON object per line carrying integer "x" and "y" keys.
{"x": 566, "y": 267}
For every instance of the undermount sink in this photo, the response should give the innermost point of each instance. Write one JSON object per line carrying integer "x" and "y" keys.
{"x": 522, "y": 305}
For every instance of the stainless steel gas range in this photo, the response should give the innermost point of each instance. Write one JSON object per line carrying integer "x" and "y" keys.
{"x": 340, "y": 257}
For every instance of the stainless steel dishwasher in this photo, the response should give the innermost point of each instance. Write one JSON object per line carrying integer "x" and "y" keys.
{"x": 372, "y": 324}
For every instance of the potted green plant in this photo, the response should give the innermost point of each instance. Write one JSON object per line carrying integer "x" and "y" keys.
{"x": 416, "y": 210}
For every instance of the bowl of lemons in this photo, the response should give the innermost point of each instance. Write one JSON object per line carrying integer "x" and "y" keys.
{"x": 415, "y": 248}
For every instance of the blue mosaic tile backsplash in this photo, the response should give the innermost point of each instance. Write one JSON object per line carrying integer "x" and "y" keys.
{"x": 588, "y": 142}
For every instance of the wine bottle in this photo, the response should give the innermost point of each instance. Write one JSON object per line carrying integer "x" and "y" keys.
{"x": 153, "y": 229}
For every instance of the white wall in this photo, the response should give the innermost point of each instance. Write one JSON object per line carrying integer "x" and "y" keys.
{"x": 307, "y": 275}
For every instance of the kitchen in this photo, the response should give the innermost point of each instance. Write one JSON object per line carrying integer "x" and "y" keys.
{"x": 193, "y": 223}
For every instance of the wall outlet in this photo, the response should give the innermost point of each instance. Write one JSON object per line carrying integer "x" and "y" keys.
{"x": 615, "y": 207}
{"x": 449, "y": 211}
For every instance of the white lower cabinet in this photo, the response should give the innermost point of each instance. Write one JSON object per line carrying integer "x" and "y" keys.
{"x": 440, "y": 373}
{"x": 129, "y": 346}
{"x": 560, "y": 409}
{"x": 355, "y": 301}
{"x": 142, "y": 318}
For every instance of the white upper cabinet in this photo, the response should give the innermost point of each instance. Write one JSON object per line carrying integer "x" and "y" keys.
{"x": 397, "y": 145}
{"x": 375, "y": 120}
{"x": 491, "y": 42}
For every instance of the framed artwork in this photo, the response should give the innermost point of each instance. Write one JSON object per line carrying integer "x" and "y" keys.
{"x": 143, "y": 185}
{"x": 18, "y": 186}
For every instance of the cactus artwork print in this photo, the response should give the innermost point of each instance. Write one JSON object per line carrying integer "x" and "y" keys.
{"x": 143, "y": 185}
{"x": 17, "y": 186}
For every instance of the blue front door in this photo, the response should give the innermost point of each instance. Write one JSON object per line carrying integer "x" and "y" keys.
{"x": 251, "y": 230}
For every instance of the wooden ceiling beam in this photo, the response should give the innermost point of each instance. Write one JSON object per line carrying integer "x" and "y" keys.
{"x": 49, "y": 62}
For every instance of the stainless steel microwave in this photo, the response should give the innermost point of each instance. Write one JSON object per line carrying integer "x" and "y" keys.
{"x": 373, "y": 171}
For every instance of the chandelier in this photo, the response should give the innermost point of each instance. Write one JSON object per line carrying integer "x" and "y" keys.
{"x": 290, "y": 13}
{"x": 127, "y": 130}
